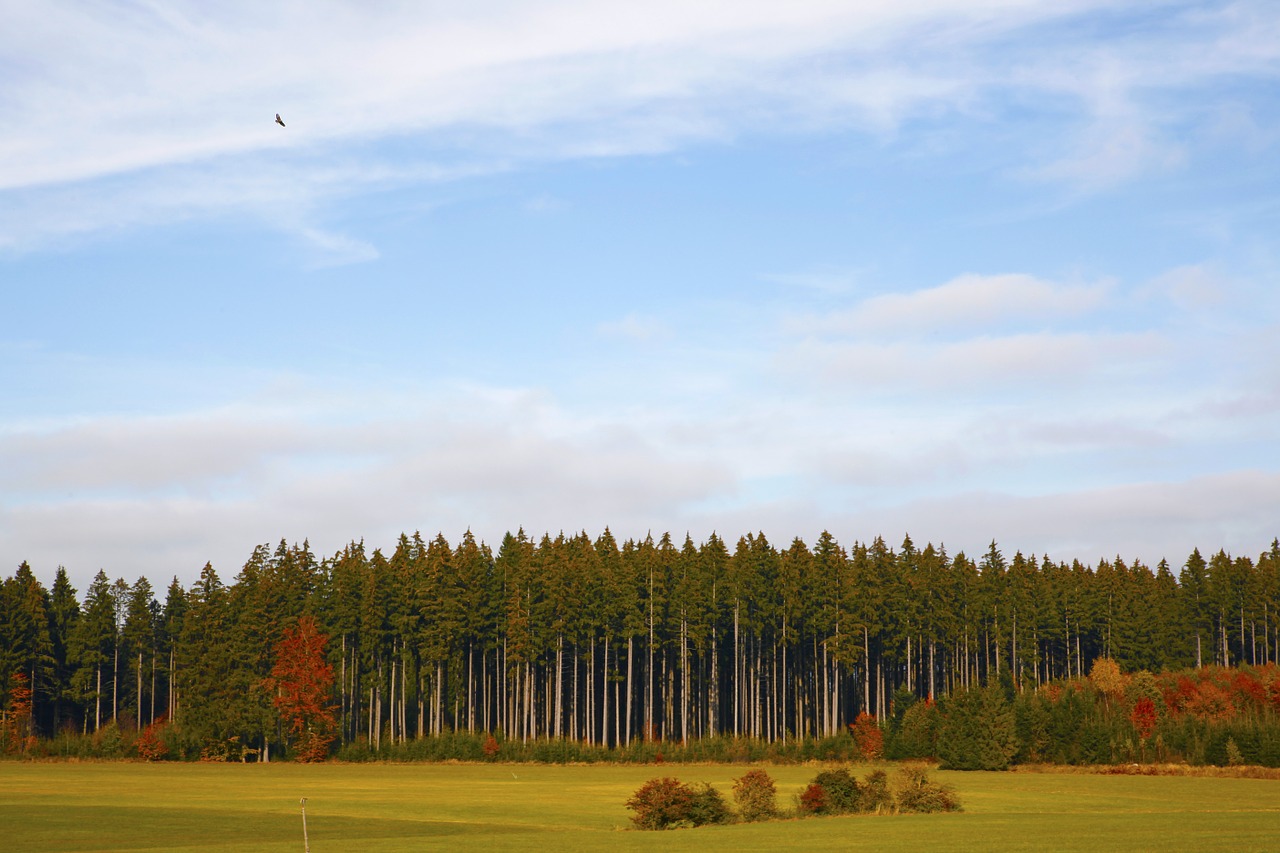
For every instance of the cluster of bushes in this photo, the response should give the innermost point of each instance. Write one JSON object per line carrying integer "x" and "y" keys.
{"x": 667, "y": 803}
{"x": 839, "y": 792}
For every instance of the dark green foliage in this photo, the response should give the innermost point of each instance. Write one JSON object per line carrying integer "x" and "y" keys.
{"x": 581, "y": 649}
{"x": 917, "y": 733}
{"x": 707, "y": 806}
{"x": 978, "y": 731}
{"x": 841, "y": 792}
{"x": 1033, "y": 724}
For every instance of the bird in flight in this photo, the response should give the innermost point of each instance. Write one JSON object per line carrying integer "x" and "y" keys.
{"x": 279, "y": 120}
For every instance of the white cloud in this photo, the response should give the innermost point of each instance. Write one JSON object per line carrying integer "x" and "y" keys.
{"x": 967, "y": 305}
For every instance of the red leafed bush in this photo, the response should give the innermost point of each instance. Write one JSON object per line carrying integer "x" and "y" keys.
{"x": 150, "y": 743}
{"x": 813, "y": 800}
{"x": 661, "y": 803}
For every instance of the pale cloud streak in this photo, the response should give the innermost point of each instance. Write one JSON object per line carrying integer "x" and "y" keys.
{"x": 967, "y": 304}
{"x": 513, "y": 83}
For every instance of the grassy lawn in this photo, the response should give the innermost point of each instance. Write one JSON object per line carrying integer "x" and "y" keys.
{"x": 494, "y": 808}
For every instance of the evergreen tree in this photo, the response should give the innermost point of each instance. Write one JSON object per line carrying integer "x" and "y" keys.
{"x": 978, "y": 730}
{"x": 92, "y": 648}
{"x": 25, "y": 642}
{"x": 64, "y": 613}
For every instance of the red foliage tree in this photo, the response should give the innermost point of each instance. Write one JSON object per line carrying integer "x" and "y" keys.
{"x": 303, "y": 683}
{"x": 1143, "y": 717}
{"x": 867, "y": 735}
{"x": 18, "y": 735}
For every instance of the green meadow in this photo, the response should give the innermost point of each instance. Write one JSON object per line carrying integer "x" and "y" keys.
{"x": 493, "y": 808}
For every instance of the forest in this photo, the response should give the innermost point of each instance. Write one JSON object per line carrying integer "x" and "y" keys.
{"x": 608, "y": 644}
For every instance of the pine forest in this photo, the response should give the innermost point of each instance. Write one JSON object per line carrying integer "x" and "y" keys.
{"x": 610, "y": 646}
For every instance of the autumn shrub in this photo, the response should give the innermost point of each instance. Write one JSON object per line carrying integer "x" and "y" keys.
{"x": 661, "y": 804}
{"x": 150, "y": 744}
{"x": 917, "y": 793}
{"x": 755, "y": 795}
{"x": 813, "y": 800}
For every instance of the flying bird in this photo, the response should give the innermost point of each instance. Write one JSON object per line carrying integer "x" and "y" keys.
{"x": 279, "y": 120}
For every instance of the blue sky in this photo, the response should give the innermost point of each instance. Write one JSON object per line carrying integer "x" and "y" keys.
{"x": 965, "y": 270}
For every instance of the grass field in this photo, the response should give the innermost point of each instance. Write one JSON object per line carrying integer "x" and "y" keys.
{"x": 368, "y": 807}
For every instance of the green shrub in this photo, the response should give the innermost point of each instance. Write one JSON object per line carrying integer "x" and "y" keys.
{"x": 917, "y": 793}
{"x": 756, "y": 796}
{"x": 874, "y": 795}
{"x": 842, "y": 794}
{"x": 707, "y": 806}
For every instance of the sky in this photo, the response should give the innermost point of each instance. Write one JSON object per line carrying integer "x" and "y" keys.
{"x": 964, "y": 270}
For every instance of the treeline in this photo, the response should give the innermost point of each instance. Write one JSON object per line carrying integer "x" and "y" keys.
{"x": 608, "y": 643}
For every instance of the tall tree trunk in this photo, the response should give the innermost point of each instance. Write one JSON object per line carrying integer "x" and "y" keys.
{"x": 630, "y": 688}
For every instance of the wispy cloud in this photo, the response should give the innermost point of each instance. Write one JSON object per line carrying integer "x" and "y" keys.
{"x": 967, "y": 305}
{"x": 550, "y": 80}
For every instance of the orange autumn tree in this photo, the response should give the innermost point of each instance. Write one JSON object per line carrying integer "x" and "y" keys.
{"x": 17, "y": 730}
{"x": 303, "y": 683}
